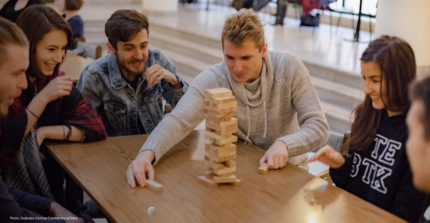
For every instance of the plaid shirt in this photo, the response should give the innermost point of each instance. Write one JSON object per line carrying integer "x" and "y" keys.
{"x": 72, "y": 109}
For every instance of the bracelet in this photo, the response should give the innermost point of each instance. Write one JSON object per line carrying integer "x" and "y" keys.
{"x": 31, "y": 113}
{"x": 69, "y": 133}
{"x": 83, "y": 133}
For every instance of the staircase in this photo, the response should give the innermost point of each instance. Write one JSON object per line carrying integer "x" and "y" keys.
{"x": 339, "y": 92}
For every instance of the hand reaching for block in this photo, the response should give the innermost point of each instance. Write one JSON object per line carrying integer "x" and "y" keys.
{"x": 277, "y": 156}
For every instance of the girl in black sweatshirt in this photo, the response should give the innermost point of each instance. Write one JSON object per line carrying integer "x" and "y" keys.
{"x": 375, "y": 167}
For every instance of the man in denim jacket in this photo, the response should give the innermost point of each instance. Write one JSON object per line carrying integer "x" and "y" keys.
{"x": 126, "y": 87}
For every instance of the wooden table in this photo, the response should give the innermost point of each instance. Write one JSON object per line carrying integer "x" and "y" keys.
{"x": 74, "y": 65}
{"x": 287, "y": 195}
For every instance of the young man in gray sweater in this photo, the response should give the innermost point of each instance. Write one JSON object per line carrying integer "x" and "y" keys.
{"x": 278, "y": 108}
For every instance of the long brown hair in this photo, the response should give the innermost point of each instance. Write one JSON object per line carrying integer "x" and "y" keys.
{"x": 396, "y": 60}
{"x": 36, "y": 21}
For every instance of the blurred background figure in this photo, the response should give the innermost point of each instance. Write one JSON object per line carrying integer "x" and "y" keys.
{"x": 70, "y": 9}
{"x": 13, "y": 8}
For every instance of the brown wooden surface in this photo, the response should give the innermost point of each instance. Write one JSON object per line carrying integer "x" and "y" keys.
{"x": 74, "y": 65}
{"x": 287, "y": 195}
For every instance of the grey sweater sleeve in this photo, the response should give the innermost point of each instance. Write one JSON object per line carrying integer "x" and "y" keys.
{"x": 334, "y": 140}
{"x": 314, "y": 129}
{"x": 188, "y": 113}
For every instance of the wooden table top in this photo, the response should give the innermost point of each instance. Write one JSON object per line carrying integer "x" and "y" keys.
{"x": 287, "y": 195}
{"x": 73, "y": 65}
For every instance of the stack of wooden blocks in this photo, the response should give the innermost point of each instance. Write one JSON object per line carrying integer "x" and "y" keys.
{"x": 220, "y": 152}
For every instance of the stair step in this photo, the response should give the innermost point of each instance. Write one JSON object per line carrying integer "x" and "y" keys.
{"x": 338, "y": 94}
{"x": 338, "y": 118}
{"x": 204, "y": 53}
{"x": 184, "y": 64}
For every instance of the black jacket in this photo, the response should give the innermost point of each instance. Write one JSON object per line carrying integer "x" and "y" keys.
{"x": 381, "y": 175}
{"x": 16, "y": 205}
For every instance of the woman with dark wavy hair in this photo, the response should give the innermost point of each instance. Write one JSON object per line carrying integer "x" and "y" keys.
{"x": 50, "y": 108}
{"x": 376, "y": 167}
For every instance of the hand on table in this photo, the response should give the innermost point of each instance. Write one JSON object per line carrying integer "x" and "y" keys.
{"x": 156, "y": 73}
{"x": 277, "y": 156}
{"x": 141, "y": 169}
{"x": 57, "y": 210}
{"x": 329, "y": 156}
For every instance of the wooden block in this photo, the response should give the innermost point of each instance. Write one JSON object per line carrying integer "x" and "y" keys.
{"x": 214, "y": 135}
{"x": 223, "y": 100}
{"x": 221, "y": 142}
{"x": 230, "y": 164}
{"x": 209, "y": 175}
{"x": 221, "y": 107}
{"x": 215, "y": 165}
{"x": 263, "y": 168}
{"x": 154, "y": 186}
{"x": 220, "y": 153}
{"x": 228, "y": 99}
{"x": 224, "y": 170}
{"x": 215, "y": 114}
{"x": 218, "y": 125}
{"x": 207, "y": 182}
{"x": 230, "y": 179}
{"x": 221, "y": 111}
{"x": 232, "y": 139}
{"x": 221, "y": 159}
{"x": 218, "y": 93}
{"x": 237, "y": 183}
{"x": 225, "y": 150}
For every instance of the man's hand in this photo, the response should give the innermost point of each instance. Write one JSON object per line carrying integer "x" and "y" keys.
{"x": 57, "y": 210}
{"x": 156, "y": 73}
{"x": 141, "y": 169}
{"x": 329, "y": 156}
{"x": 277, "y": 155}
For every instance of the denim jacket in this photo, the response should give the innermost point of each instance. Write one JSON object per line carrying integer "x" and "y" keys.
{"x": 119, "y": 104}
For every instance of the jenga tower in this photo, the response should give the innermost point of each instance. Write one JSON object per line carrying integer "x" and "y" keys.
{"x": 220, "y": 152}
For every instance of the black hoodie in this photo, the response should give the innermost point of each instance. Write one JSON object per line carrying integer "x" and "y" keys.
{"x": 381, "y": 175}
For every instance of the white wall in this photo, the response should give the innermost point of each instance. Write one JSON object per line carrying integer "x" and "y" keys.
{"x": 409, "y": 20}
{"x": 160, "y": 5}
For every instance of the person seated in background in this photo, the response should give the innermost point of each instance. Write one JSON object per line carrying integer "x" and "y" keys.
{"x": 278, "y": 108}
{"x": 418, "y": 144}
{"x": 14, "y": 61}
{"x": 50, "y": 105}
{"x": 126, "y": 87}
{"x": 13, "y": 8}
{"x": 376, "y": 167}
{"x": 70, "y": 8}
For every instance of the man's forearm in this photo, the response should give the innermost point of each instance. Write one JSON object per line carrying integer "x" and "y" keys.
{"x": 178, "y": 124}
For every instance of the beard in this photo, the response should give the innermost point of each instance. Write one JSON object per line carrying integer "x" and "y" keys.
{"x": 124, "y": 68}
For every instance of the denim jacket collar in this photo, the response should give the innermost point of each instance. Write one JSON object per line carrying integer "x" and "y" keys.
{"x": 116, "y": 78}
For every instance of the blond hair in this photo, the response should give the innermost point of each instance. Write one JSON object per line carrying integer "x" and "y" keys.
{"x": 10, "y": 34}
{"x": 241, "y": 26}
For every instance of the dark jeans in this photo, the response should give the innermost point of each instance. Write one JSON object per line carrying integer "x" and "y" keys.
{"x": 55, "y": 176}
{"x": 281, "y": 10}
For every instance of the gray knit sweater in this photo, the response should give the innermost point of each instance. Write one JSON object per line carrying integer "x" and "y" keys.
{"x": 281, "y": 105}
